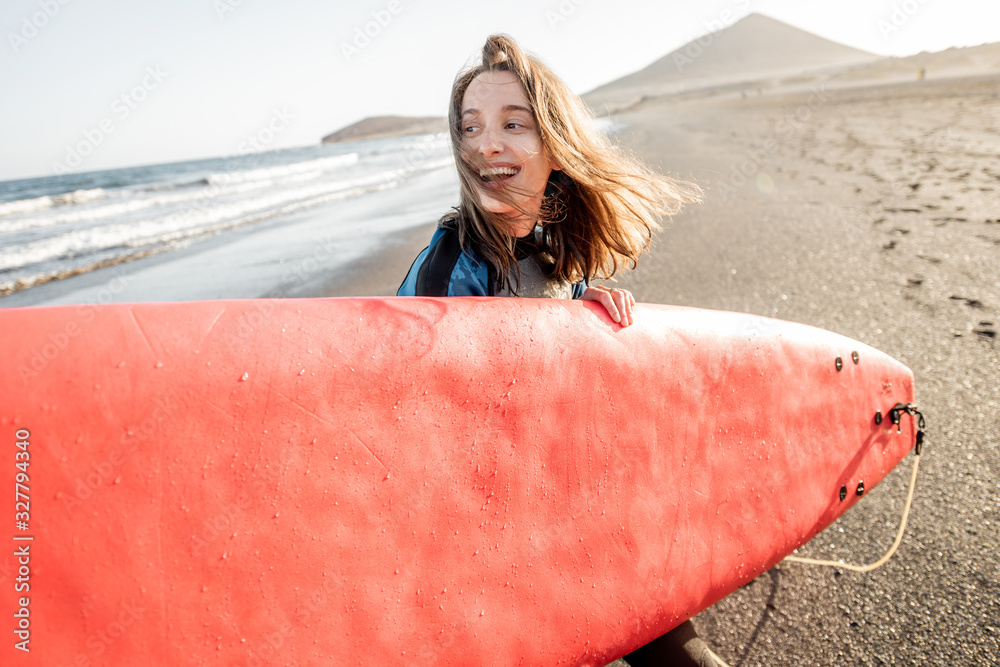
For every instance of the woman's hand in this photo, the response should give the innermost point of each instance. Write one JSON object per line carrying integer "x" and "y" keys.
{"x": 619, "y": 302}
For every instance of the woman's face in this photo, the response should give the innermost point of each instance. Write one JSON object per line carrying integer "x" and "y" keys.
{"x": 499, "y": 126}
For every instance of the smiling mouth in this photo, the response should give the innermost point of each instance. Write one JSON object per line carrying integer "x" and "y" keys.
{"x": 494, "y": 176}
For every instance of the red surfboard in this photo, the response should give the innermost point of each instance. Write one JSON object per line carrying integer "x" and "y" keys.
{"x": 413, "y": 481}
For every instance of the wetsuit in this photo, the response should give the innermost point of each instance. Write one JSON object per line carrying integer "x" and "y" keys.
{"x": 444, "y": 268}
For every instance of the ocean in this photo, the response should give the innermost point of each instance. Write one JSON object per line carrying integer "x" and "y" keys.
{"x": 216, "y": 228}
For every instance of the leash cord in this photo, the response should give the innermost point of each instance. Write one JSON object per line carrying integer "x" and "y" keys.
{"x": 910, "y": 409}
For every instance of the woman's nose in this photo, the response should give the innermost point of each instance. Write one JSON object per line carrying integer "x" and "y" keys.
{"x": 490, "y": 144}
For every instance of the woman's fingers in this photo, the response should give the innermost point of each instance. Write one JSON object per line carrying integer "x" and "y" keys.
{"x": 616, "y": 309}
{"x": 625, "y": 304}
{"x": 619, "y": 303}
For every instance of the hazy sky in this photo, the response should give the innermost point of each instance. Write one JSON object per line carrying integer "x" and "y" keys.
{"x": 141, "y": 82}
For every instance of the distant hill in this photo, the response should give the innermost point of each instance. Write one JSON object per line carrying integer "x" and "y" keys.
{"x": 378, "y": 127}
{"x": 964, "y": 61}
{"x": 755, "y": 47}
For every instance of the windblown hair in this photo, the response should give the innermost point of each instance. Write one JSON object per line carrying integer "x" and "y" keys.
{"x": 600, "y": 209}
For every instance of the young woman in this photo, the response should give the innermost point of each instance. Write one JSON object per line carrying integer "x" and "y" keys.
{"x": 547, "y": 206}
{"x": 547, "y": 203}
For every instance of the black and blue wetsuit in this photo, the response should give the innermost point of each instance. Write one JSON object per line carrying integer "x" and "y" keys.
{"x": 444, "y": 268}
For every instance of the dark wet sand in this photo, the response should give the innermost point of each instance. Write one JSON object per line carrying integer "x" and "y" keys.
{"x": 381, "y": 273}
{"x": 876, "y": 214}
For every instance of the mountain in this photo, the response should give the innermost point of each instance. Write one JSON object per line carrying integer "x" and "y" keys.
{"x": 969, "y": 61}
{"x": 378, "y": 127}
{"x": 755, "y": 47}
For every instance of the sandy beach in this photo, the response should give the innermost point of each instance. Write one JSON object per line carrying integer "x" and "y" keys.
{"x": 881, "y": 224}
{"x": 874, "y": 213}
{"x": 865, "y": 201}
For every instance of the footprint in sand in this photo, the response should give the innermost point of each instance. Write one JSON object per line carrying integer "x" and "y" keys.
{"x": 986, "y": 331}
{"x": 971, "y": 303}
{"x": 941, "y": 222}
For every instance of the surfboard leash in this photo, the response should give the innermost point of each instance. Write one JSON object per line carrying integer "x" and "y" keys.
{"x": 895, "y": 415}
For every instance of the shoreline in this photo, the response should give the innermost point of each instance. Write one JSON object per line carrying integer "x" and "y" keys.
{"x": 307, "y": 253}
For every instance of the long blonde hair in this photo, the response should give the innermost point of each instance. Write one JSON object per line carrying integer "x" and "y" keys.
{"x": 600, "y": 208}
